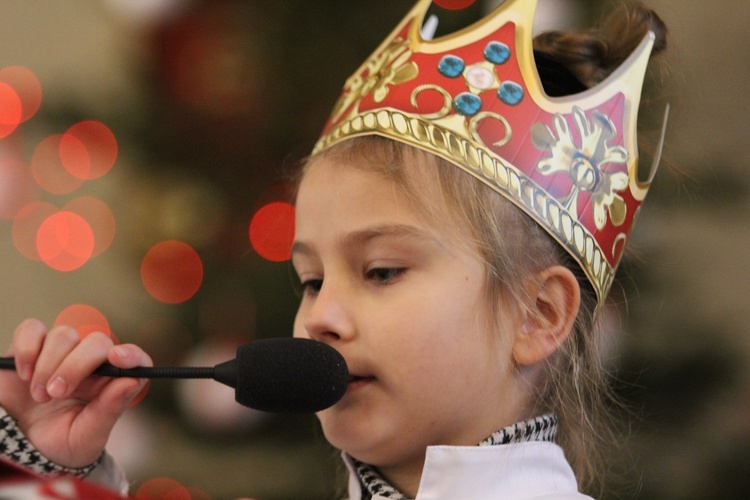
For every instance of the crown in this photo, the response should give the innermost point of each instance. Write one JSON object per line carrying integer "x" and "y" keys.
{"x": 475, "y": 99}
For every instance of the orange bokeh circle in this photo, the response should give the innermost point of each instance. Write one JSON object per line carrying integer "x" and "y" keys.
{"x": 85, "y": 319}
{"x": 65, "y": 241}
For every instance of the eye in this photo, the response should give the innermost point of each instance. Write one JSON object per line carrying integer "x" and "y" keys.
{"x": 311, "y": 286}
{"x": 385, "y": 275}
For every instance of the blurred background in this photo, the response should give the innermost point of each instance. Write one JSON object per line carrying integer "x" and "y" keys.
{"x": 145, "y": 154}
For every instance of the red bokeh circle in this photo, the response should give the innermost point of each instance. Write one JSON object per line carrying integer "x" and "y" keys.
{"x": 27, "y": 87}
{"x": 11, "y": 110}
{"x": 88, "y": 150}
{"x": 172, "y": 272}
{"x": 272, "y": 231}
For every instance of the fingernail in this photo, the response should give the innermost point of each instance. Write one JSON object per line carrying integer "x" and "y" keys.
{"x": 39, "y": 393}
{"x": 57, "y": 388}
{"x": 24, "y": 371}
{"x": 121, "y": 351}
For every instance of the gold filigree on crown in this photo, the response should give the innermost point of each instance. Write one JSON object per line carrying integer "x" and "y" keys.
{"x": 475, "y": 99}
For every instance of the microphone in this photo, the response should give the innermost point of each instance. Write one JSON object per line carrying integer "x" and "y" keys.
{"x": 280, "y": 375}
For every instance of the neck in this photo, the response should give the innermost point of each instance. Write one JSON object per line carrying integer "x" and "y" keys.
{"x": 405, "y": 478}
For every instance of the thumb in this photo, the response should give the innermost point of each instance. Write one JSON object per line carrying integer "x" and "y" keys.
{"x": 96, "y": 420}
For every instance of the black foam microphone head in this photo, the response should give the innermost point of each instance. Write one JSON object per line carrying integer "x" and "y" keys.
{"x": 290, "y": 375}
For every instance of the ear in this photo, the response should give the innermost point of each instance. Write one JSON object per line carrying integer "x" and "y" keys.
{"x": 555, "y": 297}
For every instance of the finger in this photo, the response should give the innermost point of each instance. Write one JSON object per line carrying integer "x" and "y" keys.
{"x": 78, "y": 364}
{"x": 59, "y": 342}
{"x": 128, "y": 356}
{"x": 28, "y": 339}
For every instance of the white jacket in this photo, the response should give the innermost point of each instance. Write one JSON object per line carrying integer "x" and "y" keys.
{"x": 532, "y": 470}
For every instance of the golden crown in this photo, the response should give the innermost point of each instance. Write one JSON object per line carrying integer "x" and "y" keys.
{"x": 475, "y": 98}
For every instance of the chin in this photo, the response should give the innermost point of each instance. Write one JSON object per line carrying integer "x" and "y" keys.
{"x": 351, "y": 435}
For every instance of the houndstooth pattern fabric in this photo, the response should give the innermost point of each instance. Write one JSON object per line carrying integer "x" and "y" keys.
{"x": 542, "y": 428}
{"x": 16, "y": 446}
{"x": 374, "y": 484}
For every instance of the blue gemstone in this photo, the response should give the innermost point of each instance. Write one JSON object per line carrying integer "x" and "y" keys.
{"x": 497, "y": 52}
{"x": 510, "y": 93}
{"x": 467, "y": 104}
{"x": 451, "y": 66}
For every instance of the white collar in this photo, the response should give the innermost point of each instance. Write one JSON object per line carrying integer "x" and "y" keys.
{"x": 512, "y": 471}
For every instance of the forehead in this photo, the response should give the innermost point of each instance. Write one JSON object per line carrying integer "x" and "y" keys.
{"x": 335, "y": 193}
{"x": 403, "y": 168}
{"x": 332, "y": 183}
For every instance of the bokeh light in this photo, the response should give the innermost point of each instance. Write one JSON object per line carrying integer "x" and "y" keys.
{"x": 162, "y": 488}
{"x": 26, "y": 225}
{"x": 454, "y": 4}
{"x": 172, "y": 272}
{"x": 99, "y": 217}
{"x": 17, "y": 188}
{"x": 48, "y": 169}
{"x": 272, "y": 231}
{"x": 85, "y": 319}
{"x": 65, "y": 241}
{"x": 26, "y": 86}
{"x": 10, "y": 110}
{"x": 88, "y": 150}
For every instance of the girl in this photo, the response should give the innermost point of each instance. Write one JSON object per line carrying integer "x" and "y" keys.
{"x": 458, "y": 226}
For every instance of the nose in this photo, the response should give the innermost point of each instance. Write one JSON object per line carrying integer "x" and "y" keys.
{"x": 327, "y": 316}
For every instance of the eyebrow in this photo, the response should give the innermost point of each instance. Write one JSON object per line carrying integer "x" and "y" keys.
{"x": 360, "y": 238}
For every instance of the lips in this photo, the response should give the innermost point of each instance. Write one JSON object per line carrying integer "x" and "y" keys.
{"x": 358, "y": 381}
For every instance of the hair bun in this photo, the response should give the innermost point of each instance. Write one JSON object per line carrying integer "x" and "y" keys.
{"x": 592, "y": 55}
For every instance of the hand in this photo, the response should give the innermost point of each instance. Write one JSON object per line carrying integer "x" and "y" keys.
{"x": 66, "y": 412}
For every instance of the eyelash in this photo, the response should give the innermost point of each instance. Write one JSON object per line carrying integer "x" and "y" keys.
{"x": 380, "y": 275}
{"x": 385, "y": 275}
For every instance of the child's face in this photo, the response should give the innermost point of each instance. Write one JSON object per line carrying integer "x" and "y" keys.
{"x": 406, "y": 307}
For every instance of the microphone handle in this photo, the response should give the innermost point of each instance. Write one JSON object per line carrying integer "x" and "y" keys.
{"x": 108, "y": 370}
